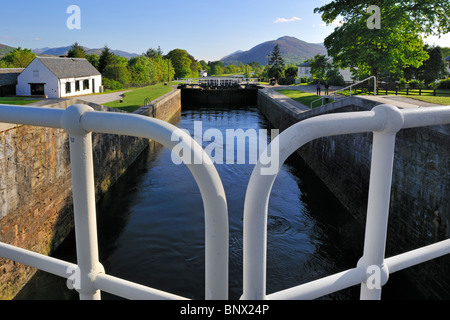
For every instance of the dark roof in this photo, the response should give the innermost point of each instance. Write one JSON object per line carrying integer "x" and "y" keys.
{"x": 305, "y": 64}
{"x": 11, "y": 70}
{"x": 447, "y": 58}
{"x": 69, "y": 67}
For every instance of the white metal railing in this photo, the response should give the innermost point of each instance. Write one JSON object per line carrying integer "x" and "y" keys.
{"x": 349, "y": 88}
{"x": 384, "y": 121}
{"x": 80, "y": 120}
{"x": 219, "y": 81}
{"x": 88, "y": 276}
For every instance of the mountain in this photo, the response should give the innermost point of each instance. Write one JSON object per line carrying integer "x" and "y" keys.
{"x": 4, "y": 49}
{"x": 61, "y": 51}
{"x": 293, "y": 50}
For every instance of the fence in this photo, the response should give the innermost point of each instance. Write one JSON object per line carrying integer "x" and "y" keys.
{"x": 88, "y": 276}
{"x": 397, "y": 89}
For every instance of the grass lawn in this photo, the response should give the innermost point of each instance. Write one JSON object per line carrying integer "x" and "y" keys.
{"x": 134, "y": 99}
{"x": 302, "y": 97}
{"x": 443, "y": 101}
{"x": 16, "y": 101}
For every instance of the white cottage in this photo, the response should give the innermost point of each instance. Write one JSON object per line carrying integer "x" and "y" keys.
{"x": 58, "y": 78}
{"x": 304, "y": 70}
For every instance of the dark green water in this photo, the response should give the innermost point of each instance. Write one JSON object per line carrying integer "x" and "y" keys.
{"x": 151, "y": 227}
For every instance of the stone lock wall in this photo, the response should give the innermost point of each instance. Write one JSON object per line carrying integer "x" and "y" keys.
{"x": 36, "y": 188}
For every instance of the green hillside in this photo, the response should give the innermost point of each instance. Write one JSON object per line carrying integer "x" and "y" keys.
{"x": 293, "y": 50}
{"x": 4, "y": 49}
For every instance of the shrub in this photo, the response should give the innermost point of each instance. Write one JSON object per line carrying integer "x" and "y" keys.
{"x": 443, "y": 84}
{"x": 286, "y": 81}
{"x": 416, "y": 84}
{"x": 112, "y": 84}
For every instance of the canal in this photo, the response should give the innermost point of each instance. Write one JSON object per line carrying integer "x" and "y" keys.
{"x": 151, "y": 225}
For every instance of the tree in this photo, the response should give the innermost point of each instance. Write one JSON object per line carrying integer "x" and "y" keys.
{"x": 291, "y": 71}
{"x": 154, "y": 53}
{"x": 76, "y": 51}
{"x": 181, "y": 62}
{"x": 216, "y": 67}
{"x": 93, "y": 59}
{"x": 395, "y": 46}
{"x": 105, "y": 58}
{"x": 117, "y": 69}
{"x": 319, "y": 67}
{"x": 276, "y": 64}
{"x": 143, "y": 70}
{"x": 275, "y": 59}
{"x": 18, "y": 58}
{"x": 431, "y": 70}
{"x": 434, "y": 67}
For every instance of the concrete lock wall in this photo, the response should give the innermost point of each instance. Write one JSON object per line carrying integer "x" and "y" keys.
{"x": 35, "y": 182}
{"x": 420, "y": 187}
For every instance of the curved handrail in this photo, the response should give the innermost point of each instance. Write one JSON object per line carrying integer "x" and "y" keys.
{"x": 260, "y": 185}
{"x": 203, "y": 170}
{"x": 385, "y": 121}
{"x": 359, "y": 82}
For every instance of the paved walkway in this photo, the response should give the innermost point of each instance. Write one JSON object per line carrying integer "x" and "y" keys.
{"x": 103, "y": 98}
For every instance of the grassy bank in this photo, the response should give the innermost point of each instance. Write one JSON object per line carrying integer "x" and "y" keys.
{"x": 304, "y": 98}
{"x": 16, "y": 101}
{"x": 134, "y": 99}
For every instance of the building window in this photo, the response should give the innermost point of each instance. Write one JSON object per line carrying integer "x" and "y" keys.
{"x": 35, "y": 73}
{"x": 77, "y": 85}
{"x": 86, "y": 84}
{"x": 68, "y": 87}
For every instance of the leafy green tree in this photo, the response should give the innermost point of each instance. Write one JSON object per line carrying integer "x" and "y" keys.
{"x": 117, "y": 70}
{"x": 195, "y": 66}
{"x": 319, "y": 67}
{"x": 164, "y": 69}
{"x": 18, "y": 58}
{"x": 76, "y": 51}
{"x": 216, "y": 67}
{"x": 291, "y": 71}
{"x": 94, "y": 59}
{"x": 395, "y": 46}
{"x": 434, "y": 67}
{"x": 276, "y": 72}
{"x": 334, "y": 77}
{"x": 181, "y": 62}
{"x": 143, "y": 70}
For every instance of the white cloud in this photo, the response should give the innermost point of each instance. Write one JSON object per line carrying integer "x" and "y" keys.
{"x": 283, "y": 20}
{"x": 442, "y": 41}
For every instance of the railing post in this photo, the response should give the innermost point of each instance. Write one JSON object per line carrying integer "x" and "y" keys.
{"x": 82, "y": 168}
{"x": 383, "y": 149}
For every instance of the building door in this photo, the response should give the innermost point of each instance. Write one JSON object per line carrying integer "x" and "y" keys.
{"x": 37, "y": 89}
{"x": 93, "y": 85}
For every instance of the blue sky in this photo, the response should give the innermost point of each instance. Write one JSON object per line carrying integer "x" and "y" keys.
{"x": 207, "y": 29}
